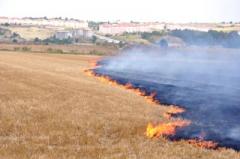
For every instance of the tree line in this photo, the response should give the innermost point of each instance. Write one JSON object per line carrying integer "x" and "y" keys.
{"x": 210, "y": 38}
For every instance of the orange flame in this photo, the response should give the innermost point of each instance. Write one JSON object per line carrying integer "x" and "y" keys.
{"x": 165, "y": 129}
{"x": 150, "y": 98}
{"x": 89, "y": 72}
{"x": 173, "y": 110}
{"x": 203, "y": 144}
{"x": 94, "y": 63}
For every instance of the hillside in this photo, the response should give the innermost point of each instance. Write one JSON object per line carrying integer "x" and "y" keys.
{"x": 30, "y": 33}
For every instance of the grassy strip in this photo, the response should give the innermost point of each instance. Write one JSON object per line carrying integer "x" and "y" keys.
{"x": 53, "y": 51}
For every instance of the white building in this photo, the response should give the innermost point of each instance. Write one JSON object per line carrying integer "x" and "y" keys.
{"x": 107, "y": 39}
{"x": 75, "y": 34}
{"x": 197, "y": 27}
{"x": 61, "y": 35}
{"x": 44, "y": 22}
{"x": 119, "y": 28}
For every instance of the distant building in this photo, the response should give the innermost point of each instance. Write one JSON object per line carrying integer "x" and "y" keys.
{"x": 44, "y": 22}
{"x": 75, "y": 34}
{"x": 107, "y": 39}
{"x": 82, "y": 33}
{"x": 119, "y": 28}
{"x": 61, "y": 35}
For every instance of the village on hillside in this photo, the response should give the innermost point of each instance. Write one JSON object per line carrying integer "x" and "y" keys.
{"x": 74, "y": 31}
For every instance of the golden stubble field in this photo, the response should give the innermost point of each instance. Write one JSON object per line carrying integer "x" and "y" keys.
{"x": 50, "y": 109}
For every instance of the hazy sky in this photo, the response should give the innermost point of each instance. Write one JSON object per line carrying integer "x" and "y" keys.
{"x": 126, "y": 10}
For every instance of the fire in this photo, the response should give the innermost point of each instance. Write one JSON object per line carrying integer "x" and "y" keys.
{"x": 128, "y": 86}
{"x": 138, "y": 91}
{"x": 102, "y": 78}
{"x": 107, "y": 80}
{"x": 203, "y": 144}
{"x": 89, "y": 72}
{"x": 94, "y": 63}
{"x": 150, "y": 98}
{"x": 165, "y": 129}
{"x": 173, "y": 110}
{"x": 156, "y": 130}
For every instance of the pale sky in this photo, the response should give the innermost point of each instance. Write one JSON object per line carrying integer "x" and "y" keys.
{"x": 126, "y": 10}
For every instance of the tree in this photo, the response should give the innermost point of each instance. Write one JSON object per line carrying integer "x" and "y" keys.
{"x": 14, "y": 35}
{"x": 163, "y": 43}
{"x": 6, "y": 24}
{"x": 145, "y": 35}
{"x": 14, "y": 41}
{"x": 210, "y": 38}
{"x": 108, "y": 35}
{"x": 37, "y": 40}
{"x": 121, "y": 44}
{"x": 94, "y": 39}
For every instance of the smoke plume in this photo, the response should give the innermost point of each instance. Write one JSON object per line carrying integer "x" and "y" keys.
{"x": 205, "y": 82}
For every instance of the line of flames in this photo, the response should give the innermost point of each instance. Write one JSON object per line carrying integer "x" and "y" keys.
{"x": 151, "y": 98}
{"x": 161, "y": 129}
{"x": 172, "y": 111}
{"x": 203, "y": 144}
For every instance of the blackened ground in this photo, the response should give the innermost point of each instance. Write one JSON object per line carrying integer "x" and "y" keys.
{"x": 211, "y": 98}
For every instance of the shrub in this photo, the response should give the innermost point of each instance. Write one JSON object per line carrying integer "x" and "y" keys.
{"x": 95, "y": 52}
{"x": 16, "y": 49}
{"x": 94, "y": 39}
{"x": 59, "y": 51}
{"x": 163, "y": 43}
{"x": 51, "y": 50}
{"x": 14, "y": 35}
{"x": 6, "y": 24}
{"x": 121, "y": 44}
{"x": 53, "y": 40}
{"x": 37, "y": 40}
{"x": 14, "y": 41}
{"x": 73, "y": 51}
{"x": 26, "y": 49}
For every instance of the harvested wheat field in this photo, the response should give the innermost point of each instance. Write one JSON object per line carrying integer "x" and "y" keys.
{"x": 49, "y": 108}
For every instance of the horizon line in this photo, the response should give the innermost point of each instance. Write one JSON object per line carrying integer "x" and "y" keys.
{"x": 118, "y": 20}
